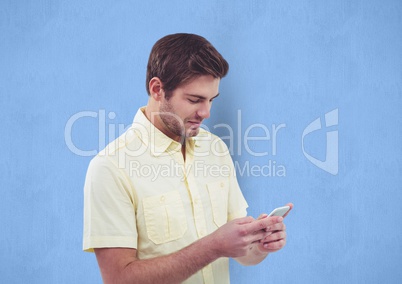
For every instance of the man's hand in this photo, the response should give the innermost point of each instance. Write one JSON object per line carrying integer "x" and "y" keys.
{"x": 238, "y": 236}
{"x": 276, "y": 239}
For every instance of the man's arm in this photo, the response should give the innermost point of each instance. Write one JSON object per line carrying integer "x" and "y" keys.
{"x": 120, "y": 265}
{"x": 234, "y": 239}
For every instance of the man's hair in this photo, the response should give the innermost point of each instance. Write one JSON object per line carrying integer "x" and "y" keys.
{"x": 179, "y": 58}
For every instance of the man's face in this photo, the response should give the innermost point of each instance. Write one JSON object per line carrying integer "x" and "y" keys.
{"x": 182, "y": 115}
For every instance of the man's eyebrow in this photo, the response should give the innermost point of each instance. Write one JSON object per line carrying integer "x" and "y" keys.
{"x": 201, "y": 97}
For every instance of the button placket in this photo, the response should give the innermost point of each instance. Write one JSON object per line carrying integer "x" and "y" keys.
{"x": 198, "y": 209}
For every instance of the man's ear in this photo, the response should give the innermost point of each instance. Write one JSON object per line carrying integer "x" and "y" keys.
{"x": 156, "y": 88}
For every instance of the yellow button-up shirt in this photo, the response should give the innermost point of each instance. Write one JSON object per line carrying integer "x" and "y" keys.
{"x": 141, "y": 193}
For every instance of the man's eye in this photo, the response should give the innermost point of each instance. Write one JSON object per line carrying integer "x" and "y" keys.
{"x": 193, "y": 101}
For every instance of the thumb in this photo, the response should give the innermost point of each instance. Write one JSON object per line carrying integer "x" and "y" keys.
{"x": 262, "y": 216}
{"x": 245, "y": 220}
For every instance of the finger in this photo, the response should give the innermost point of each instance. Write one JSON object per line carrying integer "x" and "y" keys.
{"x": 244, "y": 220}
{"x": 263, "y": 223}
{"x": 263, "y": 237}
{"x": 258, "y": 236}
{"x": 276, "y": 227}
{"x": 274, "y": 246}
{"x": 262, "y": 216}
{"x": 274, "y": 237}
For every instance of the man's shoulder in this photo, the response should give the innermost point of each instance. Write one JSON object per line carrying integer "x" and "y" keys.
{"x": 130, "y": 139}
{"x": 114, "y": 155}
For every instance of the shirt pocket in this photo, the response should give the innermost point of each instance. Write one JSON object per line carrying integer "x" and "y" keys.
{"x": 165, "y": 219}
{"x": 218, "y": 193}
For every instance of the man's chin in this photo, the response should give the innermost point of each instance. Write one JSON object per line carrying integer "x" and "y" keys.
{"x": 191, "y": 132}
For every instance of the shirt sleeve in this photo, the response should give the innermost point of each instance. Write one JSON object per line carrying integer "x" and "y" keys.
{"x": 109, "y": 211}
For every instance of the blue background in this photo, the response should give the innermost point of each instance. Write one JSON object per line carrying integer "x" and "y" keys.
{"x": 290, "y": 63}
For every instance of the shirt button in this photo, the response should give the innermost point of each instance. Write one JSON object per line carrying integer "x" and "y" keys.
{"x": 222, "y": 184}
{"x": 162, "y": 199}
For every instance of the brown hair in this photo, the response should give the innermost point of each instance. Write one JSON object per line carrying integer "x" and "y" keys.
{"x": 179, "y": 58}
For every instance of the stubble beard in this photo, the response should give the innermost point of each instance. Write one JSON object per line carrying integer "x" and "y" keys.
{"x": 174, "y": 123}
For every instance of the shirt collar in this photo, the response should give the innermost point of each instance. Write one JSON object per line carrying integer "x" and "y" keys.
{"x": 152, "y": 137}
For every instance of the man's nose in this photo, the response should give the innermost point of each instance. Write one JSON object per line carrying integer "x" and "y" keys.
{"x": 204, "y": 111}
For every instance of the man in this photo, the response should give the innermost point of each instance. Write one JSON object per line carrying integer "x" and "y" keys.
{"x": 162, "y": 204}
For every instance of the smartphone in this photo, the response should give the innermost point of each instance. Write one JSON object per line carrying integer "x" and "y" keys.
{"x": 280, "y": 211}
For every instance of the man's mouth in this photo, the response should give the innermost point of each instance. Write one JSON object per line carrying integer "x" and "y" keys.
{"x": 195, "y": 123}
